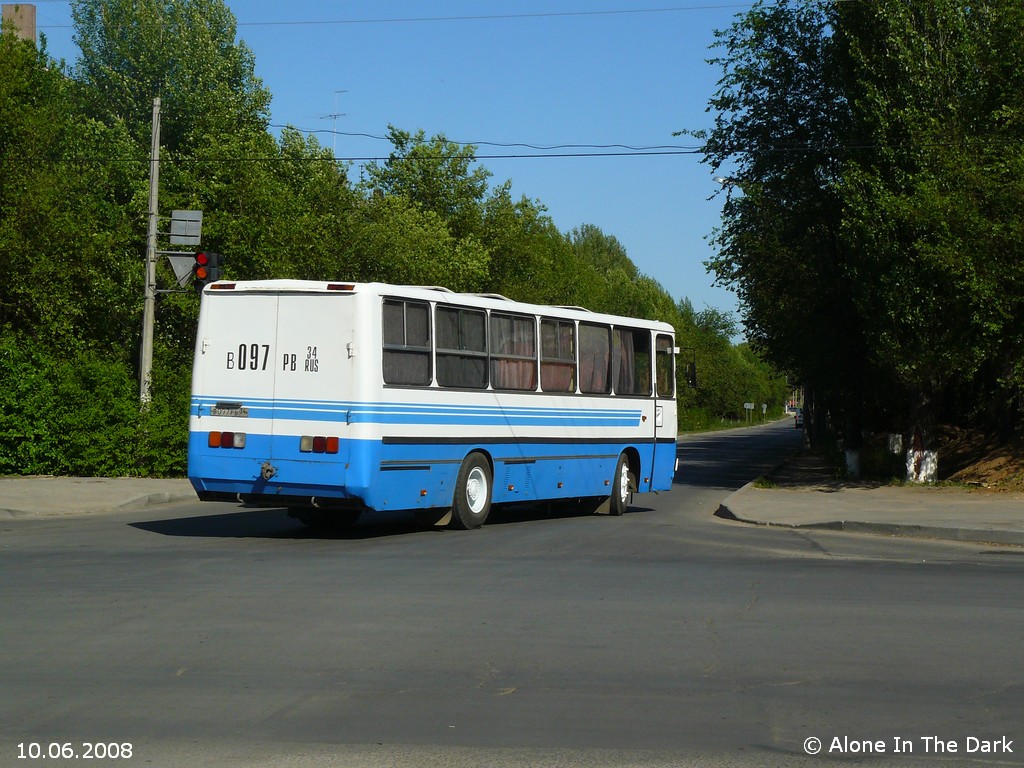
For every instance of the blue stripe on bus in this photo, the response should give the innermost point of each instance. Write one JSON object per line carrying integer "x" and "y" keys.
{"x": 411, "y": 413}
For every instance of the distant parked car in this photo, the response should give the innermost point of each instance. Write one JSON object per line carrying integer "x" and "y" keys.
{"x": 798, "y": 419}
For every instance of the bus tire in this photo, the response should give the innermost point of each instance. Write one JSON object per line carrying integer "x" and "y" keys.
{"x": 472, "y": 501}
{"x": 623, "y": 484}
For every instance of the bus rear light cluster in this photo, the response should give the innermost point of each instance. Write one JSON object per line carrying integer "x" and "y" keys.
{"x": 318, "y": 444}
{"x": 226, "y": 440}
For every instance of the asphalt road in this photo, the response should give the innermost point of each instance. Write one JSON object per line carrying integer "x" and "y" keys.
{"x": 214, "y": 635}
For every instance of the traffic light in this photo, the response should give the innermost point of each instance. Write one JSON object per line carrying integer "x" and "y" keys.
{"x": 205, "y": 269}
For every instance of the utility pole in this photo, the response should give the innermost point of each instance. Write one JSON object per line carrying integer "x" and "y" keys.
{"x": 149, "y": 307}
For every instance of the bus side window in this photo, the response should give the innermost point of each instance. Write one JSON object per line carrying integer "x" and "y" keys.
{"x": 631, "y": 362}
{"x": 461, "y": 347}
{"x": 513, "y": 352}
{"x": 665, "y": 366}
{"x": 406, "y": 331}
{"x": 595, "y": 359}
{"x": 557, "y": 355}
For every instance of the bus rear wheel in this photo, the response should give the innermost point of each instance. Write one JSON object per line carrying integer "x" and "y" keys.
{"x": 623, "y": 484}
{"x": 472, "y": 501}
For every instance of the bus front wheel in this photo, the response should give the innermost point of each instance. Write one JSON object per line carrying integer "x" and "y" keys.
{"x": 472, "y": 502}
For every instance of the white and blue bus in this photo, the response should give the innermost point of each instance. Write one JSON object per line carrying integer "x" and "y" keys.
{"x": 334, "y": 398}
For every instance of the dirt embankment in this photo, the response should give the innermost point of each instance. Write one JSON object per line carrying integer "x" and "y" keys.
{"x": 969, "y": 457}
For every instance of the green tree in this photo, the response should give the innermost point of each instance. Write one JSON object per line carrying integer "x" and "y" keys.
{"x": 528, "y": 255}
{"x": 781, "y": 117}
{"x": 319, "y": 209}
{"x": 931, "y": 196}
{"x": 69, "y": 300}
{"x": 65, "y": 211}
{"x": 399, "y": 242}
{"x": 183, "y": 51}
{"x": 604, "y": 252}
{"x": 870, "y": 230}
{"x": 434, "y": 174}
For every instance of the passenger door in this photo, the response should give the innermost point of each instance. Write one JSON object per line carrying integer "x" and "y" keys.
{"x": 665, "y": 425}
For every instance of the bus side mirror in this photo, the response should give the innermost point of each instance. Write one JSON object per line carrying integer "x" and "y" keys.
{"x": 691, "y": 375}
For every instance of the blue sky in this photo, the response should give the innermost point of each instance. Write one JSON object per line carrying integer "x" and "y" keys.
{"x": 571, "y": 72}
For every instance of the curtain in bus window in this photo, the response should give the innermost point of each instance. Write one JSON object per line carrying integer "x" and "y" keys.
{"x": 557, "y": 356}
{"x": 631, "y": 362}
{"x": 513, "y": 352}
{"x": 461, "y": 347}
{"x": 595, "y": 358}
{"x": 406, "y": 334}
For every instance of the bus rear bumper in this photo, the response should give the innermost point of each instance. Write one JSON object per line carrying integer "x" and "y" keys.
{"x": 281, "y": 498}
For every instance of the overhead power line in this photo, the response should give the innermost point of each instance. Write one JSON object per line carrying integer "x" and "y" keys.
{"x": 498, "y": 16}
{"x": 456, "y": 156}
{"x": 469, "y": 17}
{"x": 545, "y": 150}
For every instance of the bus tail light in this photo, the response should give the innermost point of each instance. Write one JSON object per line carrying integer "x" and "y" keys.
{"x": 226, "y": 440}
{"x": 319, "y": 444}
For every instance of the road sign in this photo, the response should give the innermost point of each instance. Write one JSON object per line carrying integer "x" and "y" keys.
{"x": 182, "y": 266}
{"x": 186, "y": 227}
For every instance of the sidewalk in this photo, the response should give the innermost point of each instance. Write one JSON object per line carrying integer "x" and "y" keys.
{"x": 805, "y": 496}
{"x": 45, "y": 496}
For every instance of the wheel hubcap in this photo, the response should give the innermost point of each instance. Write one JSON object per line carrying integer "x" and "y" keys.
{"x": 624, "y": 484}
{"x": 476, "y": 490}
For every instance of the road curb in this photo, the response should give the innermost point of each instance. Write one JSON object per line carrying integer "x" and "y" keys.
{"x": 895, "y": 530}
{"x": 158, "y": 497}
{"x": 968, "y": 535}
{"x": 140, "y": 500}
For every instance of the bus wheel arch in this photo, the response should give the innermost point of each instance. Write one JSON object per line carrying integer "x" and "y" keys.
{"x": 474, "y": 488}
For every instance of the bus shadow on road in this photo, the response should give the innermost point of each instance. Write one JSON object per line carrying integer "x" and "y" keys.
{"x": 269, "y": 523}
{"x": 239, "y": 522}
